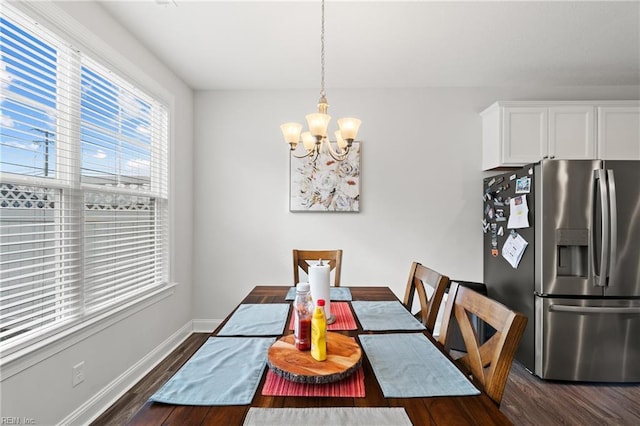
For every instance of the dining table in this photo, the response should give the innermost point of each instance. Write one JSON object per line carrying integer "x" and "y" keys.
{"x": 474, "y": 409}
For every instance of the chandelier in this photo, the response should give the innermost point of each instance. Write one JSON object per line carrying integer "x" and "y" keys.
{"x": 315, "y": 140}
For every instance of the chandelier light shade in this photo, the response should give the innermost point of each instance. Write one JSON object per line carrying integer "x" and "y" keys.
{"x": 315, "y": 140}
{"x": 291, "y": 133}
{"x": 308, "y": 141}
{"x": 318, "y": 123}
{"x": 349, "y": 128}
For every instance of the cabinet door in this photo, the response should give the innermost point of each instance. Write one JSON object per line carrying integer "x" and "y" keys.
{"x": 525, "y": 136}
{"x": 572, "y": 132}
{"x": 619, "y": 133}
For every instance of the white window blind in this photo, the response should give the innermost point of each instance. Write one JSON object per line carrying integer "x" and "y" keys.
{"x": 83, "y": 185}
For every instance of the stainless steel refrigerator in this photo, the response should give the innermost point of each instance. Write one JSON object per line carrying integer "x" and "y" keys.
{"x": 578, "y": 278}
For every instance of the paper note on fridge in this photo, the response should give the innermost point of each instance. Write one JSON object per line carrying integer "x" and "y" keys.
{"x": 519, "y": 214}
{"x": 513, "y": 249}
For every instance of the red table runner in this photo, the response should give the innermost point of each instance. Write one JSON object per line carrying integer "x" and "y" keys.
{"x": 352, "y": 386}
{"x": 343, "y": 314}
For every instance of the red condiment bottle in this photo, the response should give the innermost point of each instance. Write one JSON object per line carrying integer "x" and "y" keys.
{"x": 302, "y": 311}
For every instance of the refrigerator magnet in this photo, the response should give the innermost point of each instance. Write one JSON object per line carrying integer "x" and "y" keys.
{"x": 488, "y": 210}
{"x": 523, "y": 185}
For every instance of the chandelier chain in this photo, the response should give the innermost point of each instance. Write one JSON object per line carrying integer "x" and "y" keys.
{"x": 322, "y": 92}
{"x": 316, "y": 141}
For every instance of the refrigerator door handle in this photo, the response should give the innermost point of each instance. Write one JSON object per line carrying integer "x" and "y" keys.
{"x": 600, "y": 177}
{"x": 613, "y": 224}
{"x": 632, "y": 310}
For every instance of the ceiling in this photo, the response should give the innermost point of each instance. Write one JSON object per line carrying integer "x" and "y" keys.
{"x": 389, "y": 44}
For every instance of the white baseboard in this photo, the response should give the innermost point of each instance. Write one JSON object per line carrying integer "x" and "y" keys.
{"x": 103, "y": 399}
{"x": 205, "y": 325}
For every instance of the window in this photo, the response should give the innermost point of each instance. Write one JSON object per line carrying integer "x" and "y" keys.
{"x": 83, "y": 186}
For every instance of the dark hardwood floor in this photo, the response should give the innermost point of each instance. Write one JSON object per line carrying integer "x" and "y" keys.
{"x": 527, "y": 399}
{"x": 530, "y": 401}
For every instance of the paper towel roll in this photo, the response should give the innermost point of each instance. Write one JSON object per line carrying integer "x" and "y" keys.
{"x": 319, "y": 283}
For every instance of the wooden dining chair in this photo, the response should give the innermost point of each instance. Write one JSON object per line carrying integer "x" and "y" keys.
{"x": 301, "y": 260}
{"x": 488, "y": 364}
{"x": 419, "y": 277}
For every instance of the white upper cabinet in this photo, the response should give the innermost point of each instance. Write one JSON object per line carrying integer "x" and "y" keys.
{"x": 572, "y": 130}
{"x": 619, "y": 132}
{"x": 524, "y": 132}
{"x": 521, "y": 132}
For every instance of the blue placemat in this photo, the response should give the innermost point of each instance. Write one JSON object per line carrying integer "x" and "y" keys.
{"x": 224, "y": 371}
{"x": 266, "y": 319}
{"x": 336, "y": 293}
{"x": 385, "y": 315}
{"x": 408, "y": 365}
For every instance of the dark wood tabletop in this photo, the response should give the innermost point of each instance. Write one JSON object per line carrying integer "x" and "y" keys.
{"x": 458, "y": 410}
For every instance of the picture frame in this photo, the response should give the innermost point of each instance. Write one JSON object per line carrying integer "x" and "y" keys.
{"x": 324, "y": 184}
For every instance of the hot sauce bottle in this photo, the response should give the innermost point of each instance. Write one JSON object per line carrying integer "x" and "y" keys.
{"x": 303, "y": 311}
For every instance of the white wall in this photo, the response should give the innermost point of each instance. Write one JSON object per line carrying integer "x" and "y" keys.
{"x": 420, "y": 188}
{"x": 43, "y": 392}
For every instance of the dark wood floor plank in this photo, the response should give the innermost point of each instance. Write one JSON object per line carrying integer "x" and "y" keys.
{"x": 416, "y": 411}
{"x": 446, "y": 408}
{"x": 231, "y": 415}
{"x": 529, "y": 400}
{"x": 480, "y": 415}
{"x": 157, "y": 414}
{"x": 184, "y": 415}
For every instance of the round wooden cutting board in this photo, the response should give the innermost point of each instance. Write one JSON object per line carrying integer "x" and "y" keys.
{"x": 343, "y": 358}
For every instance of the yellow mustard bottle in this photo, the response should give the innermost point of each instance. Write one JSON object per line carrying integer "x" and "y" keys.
{"x": 319, "y": 332}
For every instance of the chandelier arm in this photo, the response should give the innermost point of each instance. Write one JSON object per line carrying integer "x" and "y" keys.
{"x": 338, "y": 155}
{"x": 339, "y": 151}
{"x": 305, "y": 155}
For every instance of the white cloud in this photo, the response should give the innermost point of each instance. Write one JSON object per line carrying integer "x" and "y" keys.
{"x": 131, "y": 105}
{"x": 27, "y": 147}
{"x": 100, "y": 155}
{"x": 5, "y": 76}
{"x": 138, "y": 164}
{"x": 5, "y": 120}
{"x": 143, "y": 130}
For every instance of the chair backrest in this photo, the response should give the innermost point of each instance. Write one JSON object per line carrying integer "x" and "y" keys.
{"x": 301, "y": 258}
{"x": 419, "y": 276}
{"x": 488, "y": 364}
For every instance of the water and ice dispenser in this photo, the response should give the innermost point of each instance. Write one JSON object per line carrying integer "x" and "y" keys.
{"x": 572, "y": 252}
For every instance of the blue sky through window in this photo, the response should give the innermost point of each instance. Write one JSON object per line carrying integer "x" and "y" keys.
{"x": 27, "y": 75}
{"x": 114, "y": 123}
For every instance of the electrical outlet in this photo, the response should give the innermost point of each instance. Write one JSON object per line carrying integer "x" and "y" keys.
{"x": 77, "y": 374}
